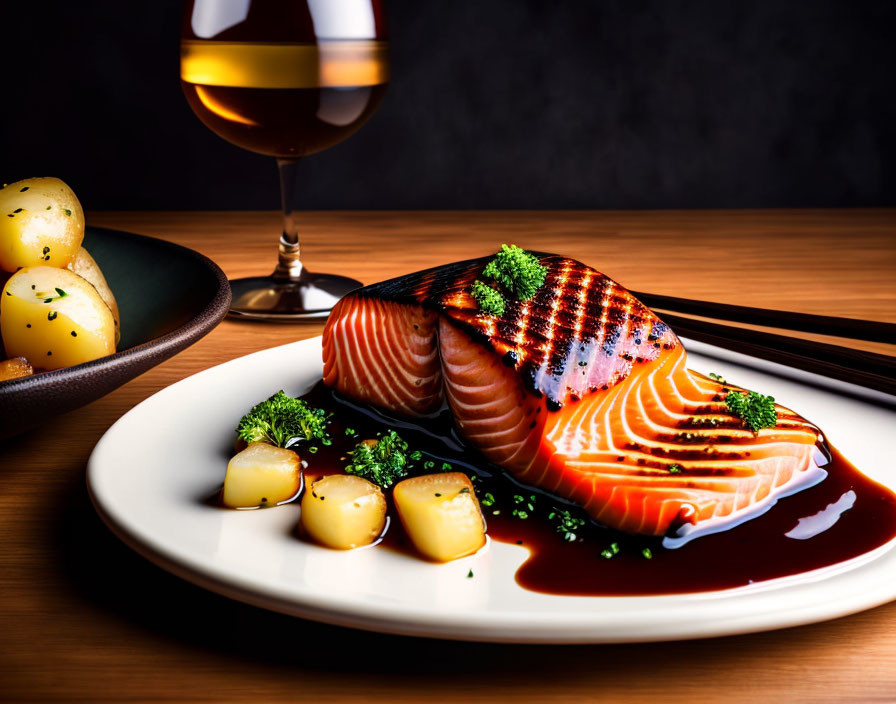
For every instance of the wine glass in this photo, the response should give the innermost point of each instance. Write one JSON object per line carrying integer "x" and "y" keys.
{"x": 286, "y": 78}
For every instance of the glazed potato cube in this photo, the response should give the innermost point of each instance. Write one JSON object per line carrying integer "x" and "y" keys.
{"x": 41, "y": 224}
{"x": 440, "y": 514}
{"x": 14, "y": 368}
{"x": 262, "y": 475}
{"x": 86, "y": 267}
{"x": 54, "y": 318}
{"x": 343, "y": 511}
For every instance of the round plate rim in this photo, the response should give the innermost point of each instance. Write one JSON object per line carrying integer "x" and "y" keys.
{"x": 512, "y": 626}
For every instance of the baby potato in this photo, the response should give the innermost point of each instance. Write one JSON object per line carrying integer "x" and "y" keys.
{"x": 86, "y": 267}
{"x": 54, "y": 318}
{"x": 15, "y": 368}
{"x": 41, "y": 223}
{"x": 441, "y": 515}
{"x": 343, "y": 511}
{"x": 262, "y": 475}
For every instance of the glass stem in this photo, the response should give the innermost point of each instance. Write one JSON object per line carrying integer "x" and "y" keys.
{"x": 289, "y": 265}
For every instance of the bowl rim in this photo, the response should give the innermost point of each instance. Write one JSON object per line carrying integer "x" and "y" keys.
{"x": 171, "y": 342}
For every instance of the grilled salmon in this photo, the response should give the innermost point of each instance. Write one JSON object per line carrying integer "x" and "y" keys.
{"x": 581, "y": 391}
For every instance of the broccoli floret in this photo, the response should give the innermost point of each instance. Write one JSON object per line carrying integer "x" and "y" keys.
{"x": 282, "y": 419}
{"x": 518, "y": 271}
{"x": 382, "y": 461}
{"x": 756, "y": 411}
{"x": 490, "y": 300}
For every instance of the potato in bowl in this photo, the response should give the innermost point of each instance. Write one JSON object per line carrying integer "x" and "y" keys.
{"x": 54, "y": 318}
{"x": 169, "y": 297}
{"x": 56, "y": 307}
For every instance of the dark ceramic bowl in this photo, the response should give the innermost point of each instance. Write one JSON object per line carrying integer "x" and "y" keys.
{"x": 168, "y": 297}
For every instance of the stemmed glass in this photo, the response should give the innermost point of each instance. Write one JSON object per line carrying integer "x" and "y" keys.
{"x": 286, "y": 78}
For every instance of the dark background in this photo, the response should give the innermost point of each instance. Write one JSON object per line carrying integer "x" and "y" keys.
{"x": 493, "y": 104}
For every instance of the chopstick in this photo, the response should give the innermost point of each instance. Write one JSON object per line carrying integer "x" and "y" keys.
{"x": 821, "y": 324}
{"x": 868, "y": 369}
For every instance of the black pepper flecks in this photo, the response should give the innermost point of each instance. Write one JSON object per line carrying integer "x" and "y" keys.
{"x": 46, "y": 250}
{"x": 27, "y": 325}
{"x": 49, "y": 353}
{"x": 52, "y": 315}
{"x": 17, "y": 210}
{"x": 68, "y": 212}
{"x": 74, "y": 334}
{"x": 24, "y": 189}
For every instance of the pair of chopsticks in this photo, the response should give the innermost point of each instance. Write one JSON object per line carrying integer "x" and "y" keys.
{"x": 868, "y": 369}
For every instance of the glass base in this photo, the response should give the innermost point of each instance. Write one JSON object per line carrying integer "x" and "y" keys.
{"x": 273, "y": 298}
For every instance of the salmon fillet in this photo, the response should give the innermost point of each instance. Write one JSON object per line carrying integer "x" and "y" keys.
{"x": 581, "y": 391}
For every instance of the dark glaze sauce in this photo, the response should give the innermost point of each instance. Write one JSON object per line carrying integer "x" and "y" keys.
{"x": 604, "y": 562}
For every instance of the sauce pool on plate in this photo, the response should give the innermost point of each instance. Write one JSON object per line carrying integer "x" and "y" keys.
{"x": 841, "y": 517}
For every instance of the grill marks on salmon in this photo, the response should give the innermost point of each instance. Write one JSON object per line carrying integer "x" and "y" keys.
{"x": 581, "y": 391}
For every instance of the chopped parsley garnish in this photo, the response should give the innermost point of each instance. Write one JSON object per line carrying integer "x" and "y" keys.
{"x": 517, "y": 271}
{"x": 647, "y": 553}
{"x": 383, "y": 461}
{"x": 47, "y": 297}
{"x": 755, "y": 410}
{"x": 675, "y": 469}
{"x": 470, "y": 574}
{"x": 490, "y": 300}
{"x": 525, "y": 506}
{"x": 717, "y": 377}
{"x": 566, "y": 524}
{"x": 487, "y": 500}
{"x": 611, "y": 551}
{"x": 518, "y": 274}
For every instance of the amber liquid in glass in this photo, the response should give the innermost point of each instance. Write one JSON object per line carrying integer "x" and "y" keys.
{"x": 285, "y": 78}
{"x": 284, "y": 99}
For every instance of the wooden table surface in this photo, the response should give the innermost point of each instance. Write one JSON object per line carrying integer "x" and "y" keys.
{"x": 82, "y": 618}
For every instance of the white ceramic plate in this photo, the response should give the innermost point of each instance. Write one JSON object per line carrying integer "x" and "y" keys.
{"x": 149, "y": 474}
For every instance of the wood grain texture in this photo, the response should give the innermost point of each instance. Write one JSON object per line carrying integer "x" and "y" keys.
{"x": 83, "y": 618}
